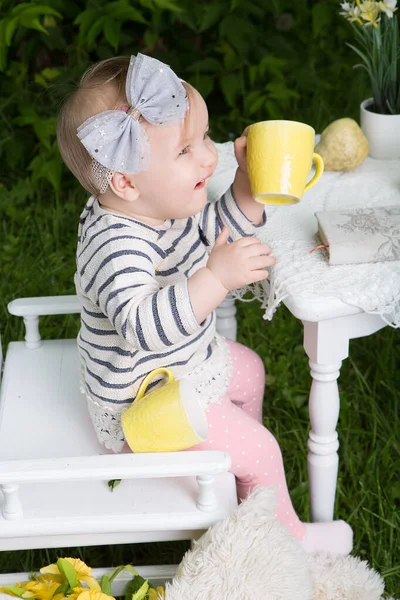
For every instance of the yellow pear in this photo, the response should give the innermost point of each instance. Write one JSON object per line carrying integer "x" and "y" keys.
{"x": 343, "y": 146}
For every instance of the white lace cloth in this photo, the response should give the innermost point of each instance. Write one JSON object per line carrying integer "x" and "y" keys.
{"x": 373, "y": 287}
{"x": 210, "y": 383}
{"x": 213, "y": 383}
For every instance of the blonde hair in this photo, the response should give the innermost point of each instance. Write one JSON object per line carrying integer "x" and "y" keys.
{"x": 101, "y": 88}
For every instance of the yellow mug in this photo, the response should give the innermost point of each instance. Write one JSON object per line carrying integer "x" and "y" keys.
{"x": 279, "y": 159}
{"x": 166, "y": 419}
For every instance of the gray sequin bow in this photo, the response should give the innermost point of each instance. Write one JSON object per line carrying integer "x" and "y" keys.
{"x": 114, "y": 138}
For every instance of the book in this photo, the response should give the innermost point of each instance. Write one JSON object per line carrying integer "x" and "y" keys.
{"x": 360, "y": 235}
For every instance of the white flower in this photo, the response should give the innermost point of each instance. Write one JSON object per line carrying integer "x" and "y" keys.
{"x": 346, "y": 7}
{"x": 351, "y": 11}
{"x": 388, "y": 7}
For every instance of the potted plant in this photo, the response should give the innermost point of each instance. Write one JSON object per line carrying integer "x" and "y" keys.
{"x": 376, "y": 31}
{"x": 72, "y": 579}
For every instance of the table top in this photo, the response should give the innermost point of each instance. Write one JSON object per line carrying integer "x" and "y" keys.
{"x": 311, "y": 289}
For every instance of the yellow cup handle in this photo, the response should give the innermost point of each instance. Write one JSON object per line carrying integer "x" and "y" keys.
{"x": 319, "y": 169}
{"x": 150, "y": 376}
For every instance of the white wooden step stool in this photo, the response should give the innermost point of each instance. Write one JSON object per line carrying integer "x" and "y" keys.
{"x": 54, "y": 472}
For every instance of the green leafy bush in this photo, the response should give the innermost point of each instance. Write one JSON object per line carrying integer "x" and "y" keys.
{"x": 251, "y": 59}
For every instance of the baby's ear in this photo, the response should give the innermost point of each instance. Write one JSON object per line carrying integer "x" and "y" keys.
{"x": 123, "y": 186}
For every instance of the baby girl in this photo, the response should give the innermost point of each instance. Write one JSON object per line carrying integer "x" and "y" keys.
{"x": 154, "y": 260}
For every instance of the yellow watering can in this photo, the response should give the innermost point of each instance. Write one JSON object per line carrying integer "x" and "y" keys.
{"x": 167, "y": 419}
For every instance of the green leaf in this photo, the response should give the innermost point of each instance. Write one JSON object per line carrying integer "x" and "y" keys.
{"x": 36, "y": 10}
{"x": 113, "y": 483}
{"x": 3, "y": 46}
{"x": 142, "y": 592}
{"x": 121, "y": 11}
{"x": 11, "y": 26}
{"x": 46, "y": 75}
{"x": 211, "y": 15}
{"x": 131, "y": 569}
{"x": 168, "y": 5}
{"x": 33, "y": 23}
{"x": 150, "y": 38}
{"x": 138, "y": 583}
{"x": 203, "y": 83}
{"x": 119, "y": 569}
{"x": 279, "y": 91}
{"x": 230, "y": 85}
{"x": 63, "y": 588}
{"x": 95, "y": 31}
{"x": 85, "y": 20}
{"x": 230, "y": 57}
{"x": 239, "y": 33}
{"x": 51, "y": 74}
{"x": 105, "y": 585}
{"x": 322, "y": 14}
{"x": 273, "y": 65}
{"x": 67, "y": 569}
{"x": 45, "y": 129}
{"x": 20, "y": 8}
{"x": 53, "y": 173}
{"x": 112, "y": 30}
{"x": 273, "y": 110}
{"x": 255, "y": 101}
{"x": 40, "y": 80}
{"x": 206, "y": 65}
{"x": 27, "y": 117}
{"x": 15, "y": 591}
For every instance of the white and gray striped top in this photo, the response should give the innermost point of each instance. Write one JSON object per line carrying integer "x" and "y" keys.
{"x": 131, "y": 280}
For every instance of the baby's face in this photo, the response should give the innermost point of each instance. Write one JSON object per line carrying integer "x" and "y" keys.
{"x": 182, "y": 160}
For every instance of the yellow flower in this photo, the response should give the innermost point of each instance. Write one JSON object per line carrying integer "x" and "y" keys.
{"x": 83, "y": 573}
{"x": 93, "y": 595}
{"x": 44, "y": 589}
{"x": 77, "y": 591}
{"x": 157, "y": 594}
{"x": 369, "y": 12}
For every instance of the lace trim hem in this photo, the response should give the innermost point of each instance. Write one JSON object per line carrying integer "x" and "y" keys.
{"x": 213, "y": 383}
{"x": 107, "y": 423}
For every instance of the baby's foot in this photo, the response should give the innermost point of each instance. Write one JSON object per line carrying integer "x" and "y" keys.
{"x": 335, "y": 537}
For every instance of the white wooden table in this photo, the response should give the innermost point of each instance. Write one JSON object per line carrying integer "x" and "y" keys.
{"x": 335, "y": 304}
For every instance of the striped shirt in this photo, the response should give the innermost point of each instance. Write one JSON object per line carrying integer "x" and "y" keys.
{"x": 131, "y": 281}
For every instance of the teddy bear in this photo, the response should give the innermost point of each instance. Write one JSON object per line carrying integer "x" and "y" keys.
{"x": 250, "y": 555}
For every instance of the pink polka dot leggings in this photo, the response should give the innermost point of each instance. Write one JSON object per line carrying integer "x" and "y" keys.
{"x": 235, "y": 426}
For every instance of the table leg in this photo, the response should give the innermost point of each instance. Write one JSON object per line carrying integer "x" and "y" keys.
{"x": 327, "y": 344}
{"x": 323, "y": 441}
{"x": 326, "y": 347}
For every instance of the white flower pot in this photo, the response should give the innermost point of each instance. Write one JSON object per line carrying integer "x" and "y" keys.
{"x": 381, "y": 131}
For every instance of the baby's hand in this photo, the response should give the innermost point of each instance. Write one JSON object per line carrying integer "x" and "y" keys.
{"x": 240, "y": 146}
{"x": 241, "y": 184}
{"x": 241, "y": 262}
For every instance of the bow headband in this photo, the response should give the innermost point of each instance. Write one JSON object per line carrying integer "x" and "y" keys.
{"x": 114, "y": 138}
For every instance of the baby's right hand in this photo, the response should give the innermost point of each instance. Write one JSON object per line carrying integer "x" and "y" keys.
{"x": 241, "y": 262}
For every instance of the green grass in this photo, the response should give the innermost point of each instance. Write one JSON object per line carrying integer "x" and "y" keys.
{"x": 37, "y": 245}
